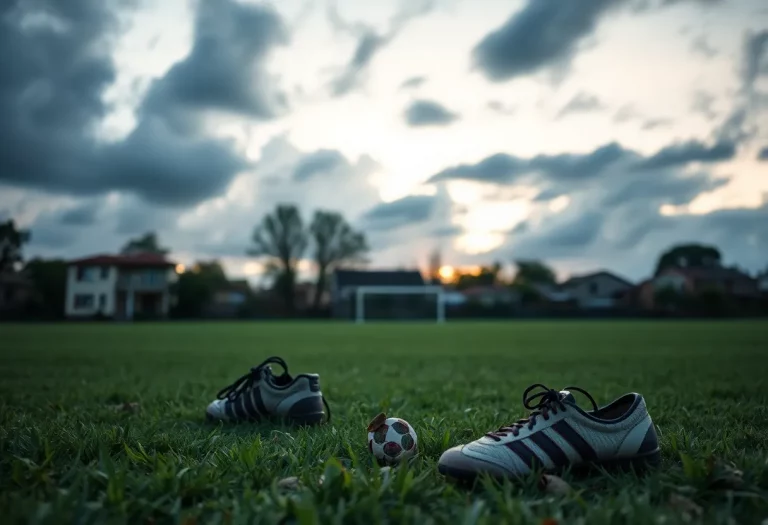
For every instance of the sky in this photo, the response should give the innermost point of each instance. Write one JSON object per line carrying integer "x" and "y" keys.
{"x": 591, "y": 135}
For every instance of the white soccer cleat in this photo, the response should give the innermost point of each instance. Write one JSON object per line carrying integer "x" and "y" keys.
{"x": 559, "y": 434}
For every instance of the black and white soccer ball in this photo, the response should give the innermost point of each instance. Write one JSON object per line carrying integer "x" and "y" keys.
{"x": 393, "y": 441}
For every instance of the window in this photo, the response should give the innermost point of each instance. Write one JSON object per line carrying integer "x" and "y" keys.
{"x": 105, "y": 272}
{"x": 593, "y": 288}
{"x": 83, "y": 300}
{"x": 102, "y": 301}
{"x": 87, "y": 273}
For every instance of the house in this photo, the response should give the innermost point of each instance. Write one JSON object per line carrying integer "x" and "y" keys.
{"x": 598, "y": 290}
{"x": 399, "y": 294}
{"x": 120, "y": 286}
{"x": 731, "y": 282}
{"x": 492, "y": 295}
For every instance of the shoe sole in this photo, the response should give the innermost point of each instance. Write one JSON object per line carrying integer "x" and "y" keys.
{"x": 638, "y": 464}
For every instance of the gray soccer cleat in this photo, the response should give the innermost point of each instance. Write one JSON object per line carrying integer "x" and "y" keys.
{"x": 558, "y": 434}
{"x": 262, "y": 396}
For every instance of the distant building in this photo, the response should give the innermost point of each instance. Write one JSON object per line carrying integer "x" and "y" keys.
{"x": 120, "y": 286}
{"x": 490, "y": 296}
{"x": 228, "y": 300}
{"x": 731, "y": 282}
{"x": 344, "y": 286}
{"x": 597, "y": 290}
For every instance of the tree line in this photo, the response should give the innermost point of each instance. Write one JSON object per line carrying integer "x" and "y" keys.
{"x": 283, "y": 238}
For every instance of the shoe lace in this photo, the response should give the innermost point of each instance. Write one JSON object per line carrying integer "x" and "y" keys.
{"x": 245, "y": 382}
{"x": 541, "y": 403}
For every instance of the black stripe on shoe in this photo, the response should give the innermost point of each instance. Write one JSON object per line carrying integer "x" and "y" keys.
{"x": 238, "y": 406}
{"x": 250, "y": 406}
{"x": 524, "y": 453}
{"x": 229, "y": 409}
{"x": 260, "y": 407}
{"x": 573, "y": 438}
{"x": 550, "y": 448}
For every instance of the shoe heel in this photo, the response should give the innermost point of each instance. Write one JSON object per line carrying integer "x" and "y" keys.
{"x": 308, "y": 411}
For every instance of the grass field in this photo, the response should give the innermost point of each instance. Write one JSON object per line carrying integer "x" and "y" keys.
{"x": 67, "y": 455}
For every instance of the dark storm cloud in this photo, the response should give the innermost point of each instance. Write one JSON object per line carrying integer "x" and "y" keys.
{"x": 369, "y": 42}
{"x": 413, "y": 82}
{"x": 224, "y": 69}
{"x": 687, "y": 152}
{"x": 543, "y": 33}
{"x": 670, "y": 188}
{"x": 428, "y": 113}
{"x": 498, "y": 168}
{"x": 503, "y": 168}
{"x": 83, "y": 214}
{"x": 581, "y": 103}
{"x": 408, "y": 210}
{"x": 763, "y": 154}
{"x": 321, "y": 161}
{"x": 51, "y": 98}
{"x": 577, "y": 233}
{"x": 755, "y": 57}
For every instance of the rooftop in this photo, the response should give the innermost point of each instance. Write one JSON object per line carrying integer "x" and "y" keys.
{"x": 134, "y": 259}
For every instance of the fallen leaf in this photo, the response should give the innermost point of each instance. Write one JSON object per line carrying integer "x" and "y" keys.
{"x": 290, "y": 483}
{"x": 554, "y": 485}
{"x": 685, "y": 505}
{"x": 726, "y": 476}
{"x": 377, "y": 422}
{"x": 549, "y": 521}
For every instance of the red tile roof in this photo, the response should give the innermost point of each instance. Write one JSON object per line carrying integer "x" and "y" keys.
{"x": 135, "y": 259}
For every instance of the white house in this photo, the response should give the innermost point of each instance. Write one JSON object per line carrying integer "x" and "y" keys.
{"x": 120, "y": 286}
{"x": 597, "y": 290}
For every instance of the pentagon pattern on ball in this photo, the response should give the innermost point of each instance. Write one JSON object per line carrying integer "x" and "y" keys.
{"x": 407, "y": 442}
{"x": 400, "y": 426}
{"x": 392, "y": 449}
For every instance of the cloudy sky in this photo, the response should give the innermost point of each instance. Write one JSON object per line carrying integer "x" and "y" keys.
{"x": 591, "y": 134}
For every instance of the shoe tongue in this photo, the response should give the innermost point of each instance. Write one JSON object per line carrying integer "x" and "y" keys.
{"x": 567, "y": 397}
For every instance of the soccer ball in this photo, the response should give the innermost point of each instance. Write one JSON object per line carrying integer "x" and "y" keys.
{"x": 392, "y": 441}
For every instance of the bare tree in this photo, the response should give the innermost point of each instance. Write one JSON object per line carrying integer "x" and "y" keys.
{"x": 282, "y": 239}
{"x": 335, "y": 243}
{"x": 12, "y": 240}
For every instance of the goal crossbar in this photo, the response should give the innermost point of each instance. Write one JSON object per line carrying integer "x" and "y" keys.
{"x": 361, "y": 291}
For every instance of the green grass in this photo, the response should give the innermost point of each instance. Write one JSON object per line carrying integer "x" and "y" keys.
{"x": 66, "y": 455}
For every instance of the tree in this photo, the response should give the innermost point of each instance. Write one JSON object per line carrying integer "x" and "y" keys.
{"x": 485, "y": 276}
{"x": 282, "y": 239}
{"x": 533, "y": 272}
{"x": 335, "y": 243}
{"x": 147, "y": 243}
{"x": 195, "y": 288}
{"x": 12, "y": 240}
{"x": 688, "y": 256}
{"x": 50, "y": 280}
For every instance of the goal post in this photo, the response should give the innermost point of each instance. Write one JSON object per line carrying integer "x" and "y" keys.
{"x": 362, "y": 291}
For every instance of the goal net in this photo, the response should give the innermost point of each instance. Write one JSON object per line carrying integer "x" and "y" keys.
{"x": 406, "y": 303}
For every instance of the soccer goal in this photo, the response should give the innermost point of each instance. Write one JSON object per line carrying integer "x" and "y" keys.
{"x": 399, "y": 303}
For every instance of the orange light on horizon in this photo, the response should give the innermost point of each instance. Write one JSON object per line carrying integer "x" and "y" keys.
{"x": 446, "y": 273}
{"x": 180, "y": 268}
